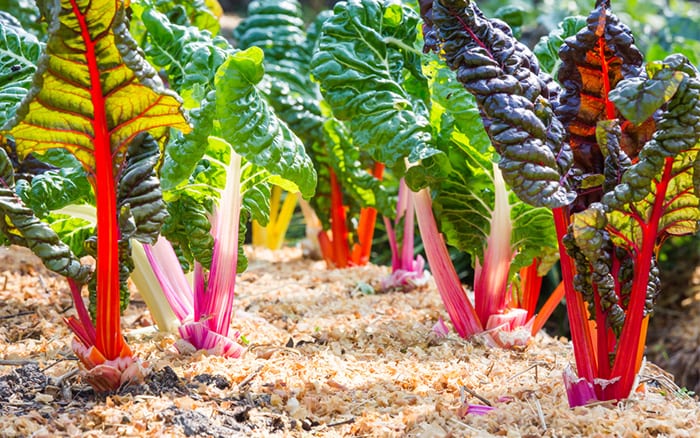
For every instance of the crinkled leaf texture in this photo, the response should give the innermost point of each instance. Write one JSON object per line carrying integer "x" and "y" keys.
{"x": 513, "y": 96}
{"x": 364, "y": 58}
{"x": 21, "y": 227}
{"x": 59, "y": 112}
{"x": 139, "y": 190}
{"x": 594, "y": 61}
{"x": 547, "y": 49}
{"x": 666, "y": 166}
{"x": 278, "y": 29}
{"x": 26, "y": 13}
{"x": 465, "y": 199}
{"x": 19, "y": 54}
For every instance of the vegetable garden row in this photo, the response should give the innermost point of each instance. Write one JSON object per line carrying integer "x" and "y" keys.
{"x": 134, "y": 133}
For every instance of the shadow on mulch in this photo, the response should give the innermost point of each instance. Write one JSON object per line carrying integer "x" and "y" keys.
{"x": 23, "y": 389}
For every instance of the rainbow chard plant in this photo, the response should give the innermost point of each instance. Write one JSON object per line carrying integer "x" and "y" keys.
{"x": 216, "y": 176}
{"x": 363, "y": 82}
{"x": 350, "y": 191}
{"x": 419, "y": 121}
{"x": 615, "y": 153}
{"x": 95, "y": 97}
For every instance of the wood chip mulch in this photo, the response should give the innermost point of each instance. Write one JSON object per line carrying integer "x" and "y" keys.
{"x": 328, "y": 355}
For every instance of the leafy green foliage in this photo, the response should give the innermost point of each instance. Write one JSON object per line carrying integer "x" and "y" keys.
{"x": 465, "y": 196}
{"x": 21, "y": 227}
{"x": 501, "y": 72}
{"x": 364, "y": 61}
{"x": 26, "y": 13}
{"x": 547, "y": 49}
{"x": 666, "y": 164}
{"x": 19, "y": 54}
{"x": 138, "y": 193}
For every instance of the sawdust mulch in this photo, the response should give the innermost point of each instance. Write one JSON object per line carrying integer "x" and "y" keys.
{"x": 328, "y": 355}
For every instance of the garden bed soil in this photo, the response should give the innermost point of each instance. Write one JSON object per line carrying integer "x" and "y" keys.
{"x": 328, "y": 355}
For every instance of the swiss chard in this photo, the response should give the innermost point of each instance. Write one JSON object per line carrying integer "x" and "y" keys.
{"x": 403, "y": 108}
{"x": 97, "y": 98}
{"x": 238, "y": 148}
{"x": 634, "y": 137}
{"x": 346, "y": 189}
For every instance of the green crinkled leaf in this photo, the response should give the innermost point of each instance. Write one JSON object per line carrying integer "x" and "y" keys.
{"x": 465, "y": 201}
{"x": 139, "y": 189}
{"x": 278, "y": 29}
{"x": 21, "y": 227}
{"x": 26, "y": 13}
{"x": 188, "y": 229}
{"x": 249, "y": 124}
{"x": 638, "y": 98}
{"x": 189, "y": 55}
{"x": 660, "y": 186}
{"x": 55, "y": 189}
{"x": 19, "y": 54}
{"x": 465, "y": 191}
{"x": 547, "y": 49}
{"x": 363, "y": 51}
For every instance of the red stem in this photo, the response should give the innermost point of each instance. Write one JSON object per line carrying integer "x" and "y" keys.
{"x": 584, "y": 351}
{"x": 609, "y": 107}
{"x": 341, "y": 249}
{"x": 109, "y": 339}
{"x": 531, "y": 284}
{"x": 633, "y": 334}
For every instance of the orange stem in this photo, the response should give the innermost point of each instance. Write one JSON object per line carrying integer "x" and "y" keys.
{"x": 365, "y": 229}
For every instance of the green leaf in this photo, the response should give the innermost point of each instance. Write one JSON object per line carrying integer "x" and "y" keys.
{"x": 248, "y": 123}
{"x": 26, "y": 14}
{"x": 72, "y": 231}
{"x": 21, "y": 227}
{"x": 278, "y": 29}
{"x": 61, "y": 112}
{"x": 547, "y": 49}
{"x": 660, "y": 186}
{"x": 55, "y": 189}
{"x": 360, "y": 65}
{"x": 189, "y": 55}
{"x": 638, "y": 98}
{"x": 139, "y": 189}
{"x": 19, "y": 54}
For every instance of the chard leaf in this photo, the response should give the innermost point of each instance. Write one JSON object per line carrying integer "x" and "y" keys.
{"x": 188, "y": 55}
{"x": 277, "y": 28}
{"x": 55, "y": 189}
{"x": 364, "y": 54}
{"x": 639, "y": 98}
{"x": 198, "y": 55}
{"x": 547, "y": 49}
{"x": 465, "y": 198}
{"x": 189, "y": 230}
{"x": 19, "y": 54}
{"x": 26, "y": 14}
{"x": 73, "y": 231}
{"x": 86, "y": 100}
{"x": 589, "y": 79}
{"x": 248, "y": 123}
{"x": 512, "y": 95}
{"x": 659, "y": 187}
{"x": 21, "y": 227}
{"x": 139, "y": 189}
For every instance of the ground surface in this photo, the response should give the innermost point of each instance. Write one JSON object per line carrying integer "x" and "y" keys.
{"x": 328, "y": 356}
